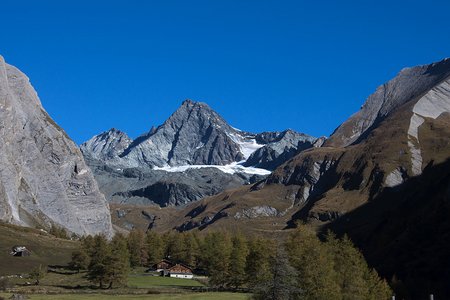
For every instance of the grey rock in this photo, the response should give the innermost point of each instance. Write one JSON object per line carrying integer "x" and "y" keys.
{"x": 410, "y": 84}
{"x": 145, "y": 186}
{"x": 130, "y": 171}
{"x": 256, "y": 212}
{"x": 44, "y": 179}
{"x": 193, "y": 135}
{"x": 279, "y": 148}
{"x": 106, "y": 146}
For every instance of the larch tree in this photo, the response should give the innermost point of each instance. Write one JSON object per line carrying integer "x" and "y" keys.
{"x": 100, "y": 253}
{"x": 238, "y": 260}
{"x": 216, "y": 252}
{"x": 155, "y": 247}
{"x": 136, "y": 241}
{"x": 118, "y": 262}
{"x": 281, "y": 285}
{"x": 80, "y": 260}
{"x": 258, "y": 262}
{"x": 317, "y": 278}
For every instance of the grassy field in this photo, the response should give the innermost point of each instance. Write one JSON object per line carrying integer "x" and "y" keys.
{"x": 63, "y": 284}
{"x": 158, "y": 281}
{"x": 140, "y": 286}
{"x": 186, "y": 296}
{"x": 45, "y": 249}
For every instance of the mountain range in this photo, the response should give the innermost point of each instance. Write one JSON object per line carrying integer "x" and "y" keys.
{"x": 382, "y": 177}
{"x": 193, "y": 154}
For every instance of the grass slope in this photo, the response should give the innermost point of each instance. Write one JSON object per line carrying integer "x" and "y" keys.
{"x": 158, "y": 281}
{"x": 45, "y": 249}
{"x": 190, "y": 296}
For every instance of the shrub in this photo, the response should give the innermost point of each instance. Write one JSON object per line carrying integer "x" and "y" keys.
{"x": 5, "y": 284}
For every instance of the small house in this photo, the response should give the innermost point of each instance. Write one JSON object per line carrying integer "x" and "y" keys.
{"x": 180, "y": 271}
{"x": 162, "y": 265}
{"x": 20, "y": 251}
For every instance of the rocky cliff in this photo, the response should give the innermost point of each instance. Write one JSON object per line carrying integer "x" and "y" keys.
{"x": 409, "y": 85}
{"x": 44, "y": 180}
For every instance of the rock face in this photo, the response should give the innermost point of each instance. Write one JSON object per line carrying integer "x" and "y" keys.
{"x": 194, "y": 136}
{"x": 409, "y": 84}
{"x": 279, "y": 148}
{"x": 144, "y": 187}
{"x": 43, "y": 177}
{"x": 106, "y": 146}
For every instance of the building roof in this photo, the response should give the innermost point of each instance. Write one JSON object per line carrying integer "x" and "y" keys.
{"x": 176, "y": 269}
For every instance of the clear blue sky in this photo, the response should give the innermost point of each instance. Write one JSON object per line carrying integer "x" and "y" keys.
{"x": 263, "y": 65}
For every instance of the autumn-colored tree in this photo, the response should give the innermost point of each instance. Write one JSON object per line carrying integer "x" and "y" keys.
{"x": 155, "y": 247}
{"x": 80, "y": 260}
{"x": 100, "y": 254}
{"x": 258, "y": 262}
{"x": 238, "y": 260}
{"x": 317, "y": 278}
{"x": 281, "y": 285}
{"x": 137, "y": 248}
{"x": 175, "y": 247}
{"x": 355, "y": 278}
{"x": 118, "y": 262}
{"x": 216, "y": 251}
{"x": 192, "y": 249}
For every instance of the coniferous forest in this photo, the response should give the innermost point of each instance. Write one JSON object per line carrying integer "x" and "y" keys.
{"x": 302, "y": 267}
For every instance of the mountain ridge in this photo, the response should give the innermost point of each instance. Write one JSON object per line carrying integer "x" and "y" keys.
{"x": 194, "y": 140}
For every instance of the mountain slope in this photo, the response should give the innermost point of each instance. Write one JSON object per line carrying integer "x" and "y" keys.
{"x": 44, "y": 180}
{"x": 382, "y": 178}
{"x": 320, "y": 185}
{"x": 409, "y": 84}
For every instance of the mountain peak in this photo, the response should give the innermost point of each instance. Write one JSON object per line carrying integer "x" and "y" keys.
{"x": 191, "y": 112}
{"x": 106, "y": 145}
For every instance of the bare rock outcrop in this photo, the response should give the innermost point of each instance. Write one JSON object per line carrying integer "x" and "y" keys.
{"x": 44, "y": 180}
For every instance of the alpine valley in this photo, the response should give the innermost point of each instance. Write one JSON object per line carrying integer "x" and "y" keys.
{"x": 382, "y": 177}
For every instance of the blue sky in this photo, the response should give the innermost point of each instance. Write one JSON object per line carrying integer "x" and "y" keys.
{"x": 263, "y": 65}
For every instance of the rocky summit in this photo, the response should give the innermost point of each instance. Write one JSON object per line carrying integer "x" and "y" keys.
{"x": 44, "y": 180}
{"x": 195, "y": 153}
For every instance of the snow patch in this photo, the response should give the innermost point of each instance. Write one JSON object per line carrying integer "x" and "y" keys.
{"x": 247, "y": 145}
{"x": 232, "y": 168}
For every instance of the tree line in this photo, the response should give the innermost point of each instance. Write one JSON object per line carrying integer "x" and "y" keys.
{"x": 302, "y": 267}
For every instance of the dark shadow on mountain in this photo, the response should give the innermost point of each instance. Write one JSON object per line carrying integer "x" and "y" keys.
{"x": 405, "y": 231}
